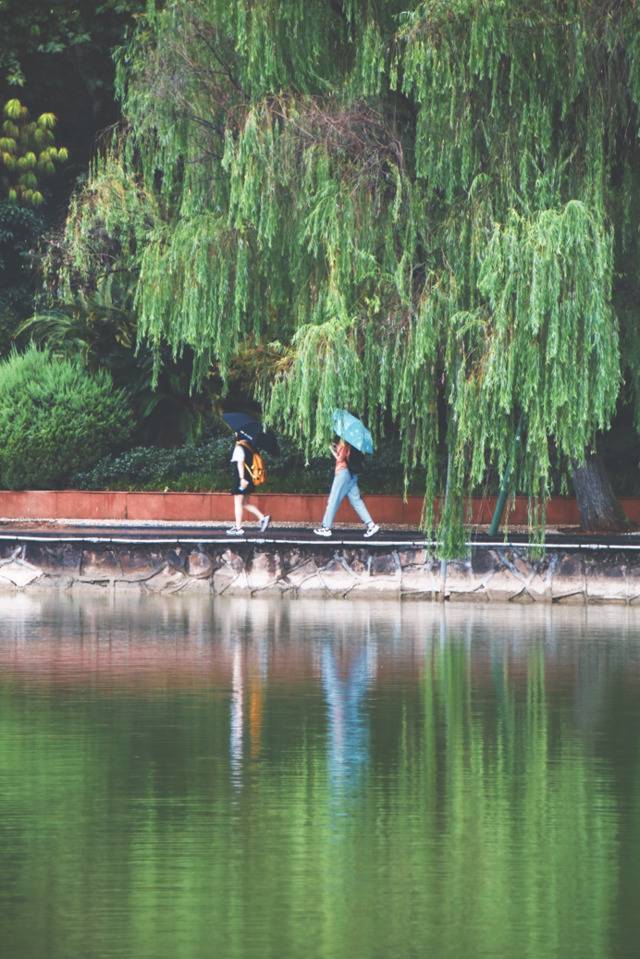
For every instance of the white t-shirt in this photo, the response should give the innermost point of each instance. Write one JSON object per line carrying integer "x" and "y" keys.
{"x": 238, "y": 454}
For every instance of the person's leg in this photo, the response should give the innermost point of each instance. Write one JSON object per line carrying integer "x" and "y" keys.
{"x": 237, "y": 505}
{"x": 337, "y": 493}
{"x": 254, "y": 510}
{"x": 353, "y": 492}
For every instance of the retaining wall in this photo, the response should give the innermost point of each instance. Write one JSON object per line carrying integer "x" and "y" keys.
{"x": 323, "y": 569}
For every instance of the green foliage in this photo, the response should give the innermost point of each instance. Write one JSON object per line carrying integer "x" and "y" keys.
{"x": 89, "y": 327}
{"x": 423, "y": 211}
{"x": 55, "y": 418}
{"x": 58, "y": 58}
{"x": 206, "y": 466}
{"x": 20, "y": 229}
{"x": 28, "y": 153}
{"x": 152, "y": 467}
{"x": 33, "y": 34}
{"x": 100, "y": 328}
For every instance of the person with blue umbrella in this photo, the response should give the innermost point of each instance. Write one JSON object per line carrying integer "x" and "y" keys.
{"x": 355, "y": 440}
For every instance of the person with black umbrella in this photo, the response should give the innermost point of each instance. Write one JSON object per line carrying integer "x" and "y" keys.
{"x": 245, "y": 461}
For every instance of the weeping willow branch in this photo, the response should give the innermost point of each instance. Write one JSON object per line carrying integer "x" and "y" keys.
{"x": 426, "y": 205}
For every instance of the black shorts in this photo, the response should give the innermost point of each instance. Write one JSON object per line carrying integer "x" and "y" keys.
{"x": 235, "y": 484}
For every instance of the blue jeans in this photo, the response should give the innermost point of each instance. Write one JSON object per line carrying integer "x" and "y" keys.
{"x": 344, "y": 484}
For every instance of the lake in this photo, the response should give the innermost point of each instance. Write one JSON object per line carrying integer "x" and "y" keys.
{"x": 261, "y": 778}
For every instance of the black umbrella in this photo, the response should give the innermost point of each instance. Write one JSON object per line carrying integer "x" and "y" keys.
{"x": 267, "y": 441}
{"x": 243, "y": 423}
{"x": 249, "y": 427}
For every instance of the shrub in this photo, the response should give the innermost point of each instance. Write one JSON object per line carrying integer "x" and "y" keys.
{"x": 206, "y": 466}
{"x": 150, "y": 467}
{"x": 54, "y": 418}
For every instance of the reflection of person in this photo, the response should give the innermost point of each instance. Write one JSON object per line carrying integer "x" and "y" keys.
{"x": 348, "y": 727}
{"x": 236, "y": 743}
{"x": 242, "y": 486}
{"x": 249, "y": 675}
{"x": 345, "y": 483}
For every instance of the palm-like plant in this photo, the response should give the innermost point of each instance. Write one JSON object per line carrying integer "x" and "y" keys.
{"x": 97, "y": 327}
{"x": 101, "y": 328}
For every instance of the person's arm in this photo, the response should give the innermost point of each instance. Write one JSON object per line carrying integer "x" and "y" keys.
{"x": 238, "y": 456}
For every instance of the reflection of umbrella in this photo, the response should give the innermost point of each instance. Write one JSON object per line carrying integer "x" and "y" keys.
{"x": 352, "y": 431}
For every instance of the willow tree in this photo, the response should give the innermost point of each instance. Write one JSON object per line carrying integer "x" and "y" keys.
{"x": 425, "y": 212}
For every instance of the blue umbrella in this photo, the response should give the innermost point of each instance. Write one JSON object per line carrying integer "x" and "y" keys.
{"x": 352, "y": 431}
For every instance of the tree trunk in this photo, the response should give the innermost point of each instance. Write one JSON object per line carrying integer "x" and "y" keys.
{"x": 598, "y": 506}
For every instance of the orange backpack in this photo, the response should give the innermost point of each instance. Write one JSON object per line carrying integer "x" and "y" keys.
{"x": 257, "y": 471}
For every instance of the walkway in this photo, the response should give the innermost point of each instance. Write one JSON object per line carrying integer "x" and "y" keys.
{"x": 169, "y": 533}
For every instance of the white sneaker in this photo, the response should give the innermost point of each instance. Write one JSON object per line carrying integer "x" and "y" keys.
{"x": 264, "y": 522}
{"x": 235, "y": 531}
{"x": 322, "y": 531}
{"x": 371, "y": 530}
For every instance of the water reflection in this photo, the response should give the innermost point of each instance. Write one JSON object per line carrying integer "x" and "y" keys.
{"x": 348, "y": 749}
{"x": 252, "y": 778}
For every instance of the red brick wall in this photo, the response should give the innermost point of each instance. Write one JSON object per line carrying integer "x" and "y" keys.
{"x": 283, "y": 507}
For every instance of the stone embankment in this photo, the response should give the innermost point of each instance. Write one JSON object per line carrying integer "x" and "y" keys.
{"x": 396, "y": 571}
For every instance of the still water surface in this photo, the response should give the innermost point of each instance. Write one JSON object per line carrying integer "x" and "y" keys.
{"x": 253, "y": 778}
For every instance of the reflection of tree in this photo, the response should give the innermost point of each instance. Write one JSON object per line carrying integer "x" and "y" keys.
{"x": 480, "y": 823}
{"x": 523, "y": 827}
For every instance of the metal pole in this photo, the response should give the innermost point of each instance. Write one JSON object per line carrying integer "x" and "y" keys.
{"x": 504, "y": 485}
{"x": 443, "y": 562}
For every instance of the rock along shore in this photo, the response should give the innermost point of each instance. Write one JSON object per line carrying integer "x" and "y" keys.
{"x": 412, "y": 572}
